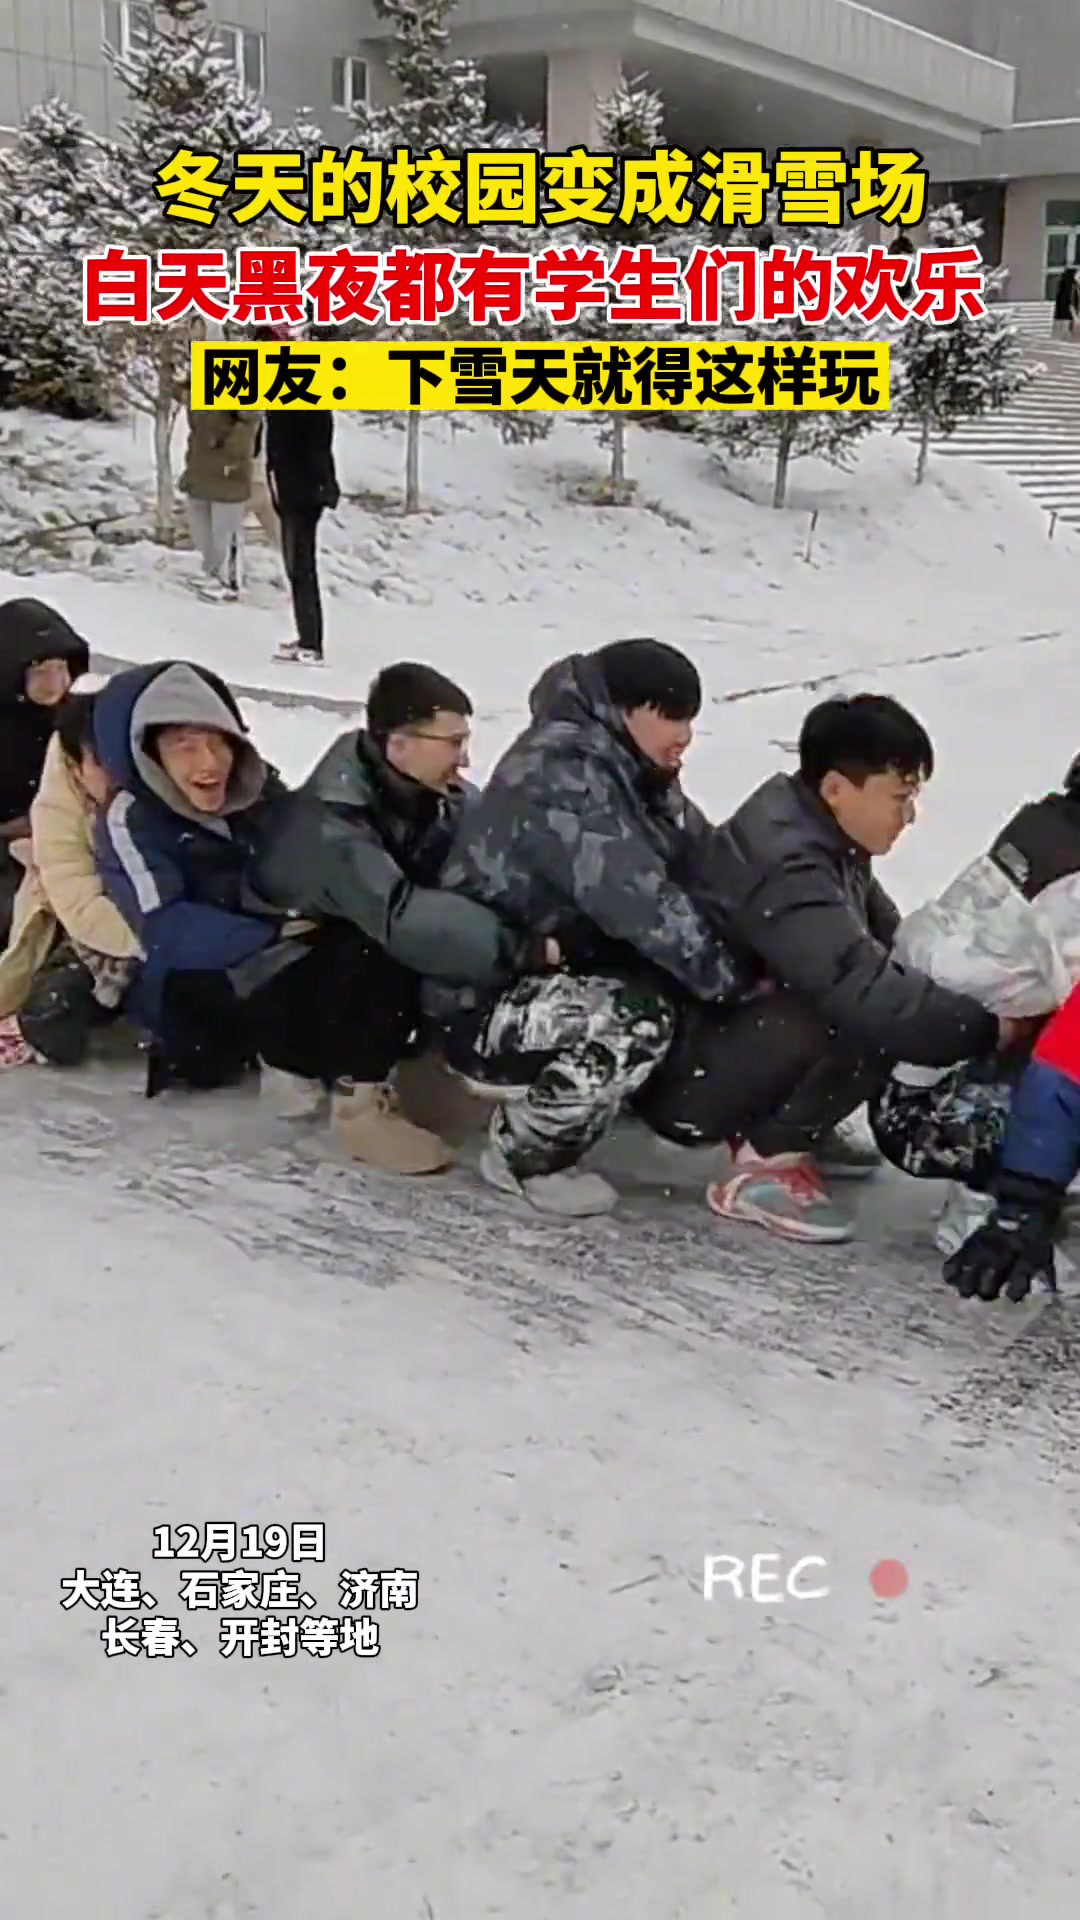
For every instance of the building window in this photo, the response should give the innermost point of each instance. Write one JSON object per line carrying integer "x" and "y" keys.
{"x": 127, "y": 26}
{"x": 349, "y": 82}
{"x": 1062, "y": 242}
{"x": 246, "y": 52}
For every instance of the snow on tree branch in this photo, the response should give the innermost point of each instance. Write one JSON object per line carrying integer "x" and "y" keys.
{"x": 943, "y": 376}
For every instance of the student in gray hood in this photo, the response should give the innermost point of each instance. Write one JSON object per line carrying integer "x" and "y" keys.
{"x": 228, "y": 980}
{"x": 789, "y": 878}
{"x": 365, "y": 841}
{"x": 581, "y": 834}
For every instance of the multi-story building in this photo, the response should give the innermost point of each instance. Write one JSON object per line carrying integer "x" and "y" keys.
{"x": 990, "y": 91}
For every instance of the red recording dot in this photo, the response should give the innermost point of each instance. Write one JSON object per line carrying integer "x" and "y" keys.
{"x": 889, "y": 1579}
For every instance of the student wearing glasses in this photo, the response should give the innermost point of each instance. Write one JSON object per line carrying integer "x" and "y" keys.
{"x": 365, "y": 841}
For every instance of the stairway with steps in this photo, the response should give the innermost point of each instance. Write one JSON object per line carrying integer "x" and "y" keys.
{"x": 1032, "y": 319}
{"x": 1036, "y": 439}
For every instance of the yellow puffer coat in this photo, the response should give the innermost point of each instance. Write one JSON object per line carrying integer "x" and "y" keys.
{"x": 63, "y": 894}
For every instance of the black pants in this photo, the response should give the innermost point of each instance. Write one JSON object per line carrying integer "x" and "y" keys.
{"x": 344, "y": 1010}
{"x": 60, "y": 1013}
{"x": 299, "y": 540}
{"x": 767, "y": 1072}
{"x": 11, "y": 879}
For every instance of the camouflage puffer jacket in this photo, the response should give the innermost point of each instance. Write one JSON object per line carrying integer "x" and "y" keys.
{"x": 576, "y": 835}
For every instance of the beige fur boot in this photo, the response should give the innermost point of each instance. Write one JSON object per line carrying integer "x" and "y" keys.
{"x": 368, "y": 1126}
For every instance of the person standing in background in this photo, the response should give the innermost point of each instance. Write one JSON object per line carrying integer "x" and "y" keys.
{"x": 217, "y": 481}
{"x": 303, "y": 483}
{"x": 1066, "y": 306}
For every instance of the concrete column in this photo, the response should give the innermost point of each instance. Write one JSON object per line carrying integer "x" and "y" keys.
{"x": 576, "y": 81}
{"x": 1024, "y": 240}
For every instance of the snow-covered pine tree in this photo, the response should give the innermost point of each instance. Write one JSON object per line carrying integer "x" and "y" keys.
{"x": 945, "y": 375}
{"x": 441, "y": 99}
{"x": 630, "y": 123}
{"x": 631, "y": 127}
{"x": 50, "y": 218}
{"x": 517, "y": 428}
{"x": 790, "y": 434}
{"x": 439, "y": 102}
{"x": 304, "y": 136}
{"x": 184, "y": 93}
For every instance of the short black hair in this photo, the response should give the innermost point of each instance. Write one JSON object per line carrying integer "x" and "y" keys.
{"x": 407, "y": 694}
{"x": 649, "y": 673}
{"x": 861, "y": 734}
{"x": 150, "y": 743}
{"x": 74, "y": 726}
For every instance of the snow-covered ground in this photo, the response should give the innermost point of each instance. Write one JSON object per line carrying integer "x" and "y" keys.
{"x": 951, "y": 595}
{"x": 206, "y": 1319}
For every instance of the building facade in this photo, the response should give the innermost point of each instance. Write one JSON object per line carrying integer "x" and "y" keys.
{"x": 988, "y": 90}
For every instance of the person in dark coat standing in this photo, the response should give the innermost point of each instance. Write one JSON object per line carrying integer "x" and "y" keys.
{"x": 1066, "y": 305}
{"x": 303, "y": 484}
{"x": 40, "y": 656}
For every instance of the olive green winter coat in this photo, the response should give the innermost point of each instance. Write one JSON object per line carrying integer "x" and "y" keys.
{"x": 220, "y": 456}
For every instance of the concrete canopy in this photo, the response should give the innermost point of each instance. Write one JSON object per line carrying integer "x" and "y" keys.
{"x": 823, "y": 71}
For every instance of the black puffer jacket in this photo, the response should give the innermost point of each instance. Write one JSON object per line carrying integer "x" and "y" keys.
{"x": 801, "y": 898}
{"x": 29, "y": 631}
{"x": 360, "y": 842}
{"x": 300, "y": 461}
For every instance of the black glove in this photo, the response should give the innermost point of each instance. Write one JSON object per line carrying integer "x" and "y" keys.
{"x": 1015, "y": 1247}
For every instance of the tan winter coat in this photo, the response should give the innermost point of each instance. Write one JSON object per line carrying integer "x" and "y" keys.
{"x": 63, "y": 894}
{"x": 220, "y": 456}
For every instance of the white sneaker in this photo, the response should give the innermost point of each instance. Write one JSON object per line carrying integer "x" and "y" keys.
{"x": 289, "y": 652}
{"x": 291, "y": 1096}
{"x": 961, "y": 1213}
{"x": 570, "y": 1194}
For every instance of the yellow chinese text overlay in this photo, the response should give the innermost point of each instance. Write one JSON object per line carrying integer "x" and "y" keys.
{"x": 387, "y": 376}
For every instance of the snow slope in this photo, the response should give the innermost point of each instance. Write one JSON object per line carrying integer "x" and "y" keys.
{"x": 207, "y": 1318}
{"x": 950, "y": 595}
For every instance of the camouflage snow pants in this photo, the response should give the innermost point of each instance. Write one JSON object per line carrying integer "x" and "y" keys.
{"x": 573, "y": 1048}
{"x": 952, "y": 1130}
